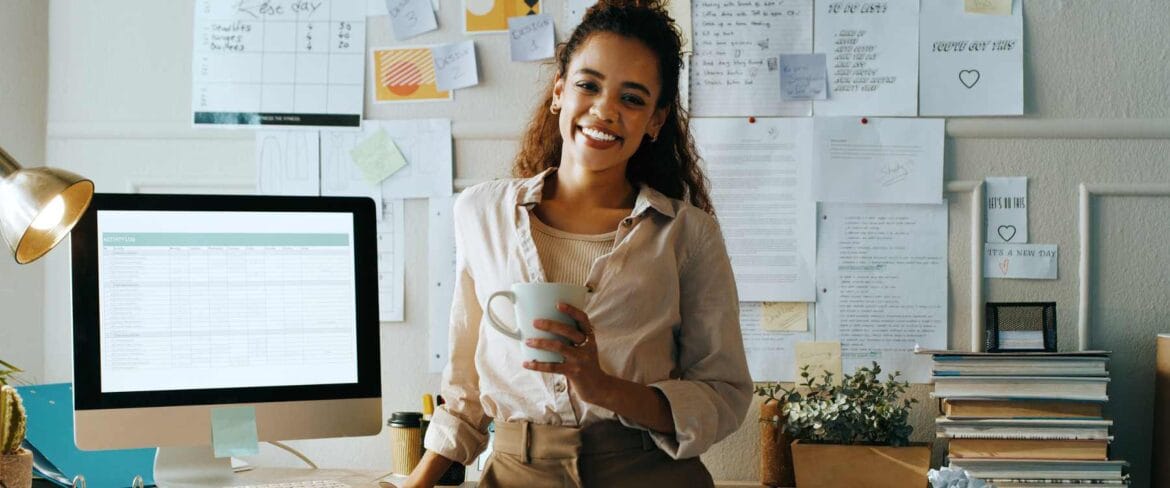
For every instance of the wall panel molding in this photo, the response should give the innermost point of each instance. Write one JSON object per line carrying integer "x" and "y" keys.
{"x": 974, "y": 188}
{"x": 956, "y": 128}
{"x": 1085, "y": 227}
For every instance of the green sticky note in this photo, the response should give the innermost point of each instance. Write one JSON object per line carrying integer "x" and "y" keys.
{"x": 233, "y": 431}
{"x": 378, "y": 157}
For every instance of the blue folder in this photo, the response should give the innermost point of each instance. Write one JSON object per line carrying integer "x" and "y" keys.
{"x": 57, "y": 458}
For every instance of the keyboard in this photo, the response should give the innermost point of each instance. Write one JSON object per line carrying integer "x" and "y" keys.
{"x": 300, "y": 484}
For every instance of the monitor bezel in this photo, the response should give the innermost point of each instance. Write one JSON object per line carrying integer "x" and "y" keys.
{"x": 86, "y": 309}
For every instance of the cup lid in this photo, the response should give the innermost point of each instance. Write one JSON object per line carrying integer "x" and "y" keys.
{"x": 405, "y": 419}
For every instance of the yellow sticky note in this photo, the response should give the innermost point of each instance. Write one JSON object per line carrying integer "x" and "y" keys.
{"x": 820, "y": 356}
{"x": 378, "y": 157}
{"x": 988, "y": 7}
{"x": 233, "y": 431}
{"x": 785, "y": 316}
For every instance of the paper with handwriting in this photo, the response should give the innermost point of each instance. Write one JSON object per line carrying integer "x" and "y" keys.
{"x": 971, "y": 64}
{"x": 878, "y": 160}
{"x": 873, "y": 57}
{"x": 1021, "y": 261}
{"x": 882, "y": 284}
{"x": 785, "y": 316}
{"x": 989, "y": 7}
{"x": 278, "y": 63}
{"x": 409, "y": 18}
{"x": 760, "y": 175}
{"x": 802, "y": 77}
{"x": 531, "y": 37}
{"x": 821, "y": 357}
{"x": 735, "y": 67}
{"x": 769, "y": 353}
{"x": 455, "y": 65}
{"x": 1007, "y": 209}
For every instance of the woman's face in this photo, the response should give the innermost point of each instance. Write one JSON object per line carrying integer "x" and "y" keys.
{"x": 608, "y": 98}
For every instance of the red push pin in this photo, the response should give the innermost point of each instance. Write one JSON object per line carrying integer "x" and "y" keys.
{"x": 751, "y": 120}
{"x": 864, "y": 121}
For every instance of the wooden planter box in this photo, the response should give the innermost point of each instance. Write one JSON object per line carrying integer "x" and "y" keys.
{"x": 839, "y": 465}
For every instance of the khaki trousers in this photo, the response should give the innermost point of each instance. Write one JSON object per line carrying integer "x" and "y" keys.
{"x": 605, "y": 454}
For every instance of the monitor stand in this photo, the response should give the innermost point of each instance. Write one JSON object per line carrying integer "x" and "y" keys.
{"x": 191, "y": 466}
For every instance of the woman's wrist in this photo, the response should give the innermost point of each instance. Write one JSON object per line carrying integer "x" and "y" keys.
{"x": 428, "y": 471}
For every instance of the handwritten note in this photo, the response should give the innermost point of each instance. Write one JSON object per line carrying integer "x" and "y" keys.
{"x": 873, "y": 57}
{"x": 769, "y": 353}
{"x": 278, "y": 63}
{"x": 785, "y": 316}
{"x": 531, "y": 37}
{"x": 737, "y": 45}
{"x": 377, "y": 157}
{"x": 971, "y": 64}
{"x": 802, "y": 77}
{"x": 1007, "y": 209}
{"x": 410, "y": 18}
{"x": 878, "y": 161}
{"x": 455, "y": 65}
{"x": 1023, "y": 261}
{"x": 820, "y": 357}
{"x": 991, "y": 7}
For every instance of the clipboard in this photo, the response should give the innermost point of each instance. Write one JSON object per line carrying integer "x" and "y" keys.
{"x": 57, "y": 458}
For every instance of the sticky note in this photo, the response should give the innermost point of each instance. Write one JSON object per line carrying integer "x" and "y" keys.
{"x": 410, "y": 18}
{"x": 820, "y": 356}
{"x": 785, "y": 316}
{"x": 531, "y": 37}
{"x": 1021, "y": 261}
{"x": 455, "y": 65}
{"x": 1007, "y": 209}
{"x": 988, "y": 7}
{"x": 378, "y": 157}
{"x": 233, "y": 431}
{"x": 803, "y": 77}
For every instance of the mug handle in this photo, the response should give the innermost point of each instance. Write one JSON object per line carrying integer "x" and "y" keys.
{"x": 495, "y": 321}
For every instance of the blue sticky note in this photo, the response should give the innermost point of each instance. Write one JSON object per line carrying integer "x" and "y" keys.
{"x": 233, "y": 431}
{"x": 803, "y": 77}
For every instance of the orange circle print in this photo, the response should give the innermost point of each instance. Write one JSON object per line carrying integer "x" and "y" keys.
{"x": 404, "y": 79}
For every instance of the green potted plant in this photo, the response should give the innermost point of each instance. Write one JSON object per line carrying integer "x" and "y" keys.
{"x": 15, "y": 461}
{"x": 855, "y": 432}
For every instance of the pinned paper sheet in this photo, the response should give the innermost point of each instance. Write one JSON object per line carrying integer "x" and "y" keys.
{"x": 1024, "y": 261}
{"x": 410, "y": 18}
{"x": 991, "y": 7}
{"x": 378, "y": 157}
{"x": 819, "y": 356}
{"x": 455, "y": 65}
{"x": 406, "y": 74}
{"x": 288, "y": 163}
{"x": 531, "y": 37}
{"x": 970, "y": 64}
{"x": 233, "y": 431}
{"x": 575, "y": 12}
{"x": 1007, "y": 209}
{"x": 803, "y": 77}
{"x": 785, "y": 316}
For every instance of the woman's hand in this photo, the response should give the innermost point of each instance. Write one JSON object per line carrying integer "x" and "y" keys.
{"x": 581, "y": 366}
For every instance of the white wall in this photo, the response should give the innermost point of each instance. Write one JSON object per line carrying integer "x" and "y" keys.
{"x": 24, "y": 47}
{"x": 1098, "y": 111}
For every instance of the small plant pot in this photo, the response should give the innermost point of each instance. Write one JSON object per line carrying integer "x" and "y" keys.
{"x": 16, "y": 469}
{"x": 840, "y": 465}
{"x": 775, "y": 451}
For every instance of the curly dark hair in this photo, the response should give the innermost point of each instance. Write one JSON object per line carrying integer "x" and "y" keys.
{"x": 670, "y": 164}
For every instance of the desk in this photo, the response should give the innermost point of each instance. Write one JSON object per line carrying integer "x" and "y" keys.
{"x": 355, "y": 478}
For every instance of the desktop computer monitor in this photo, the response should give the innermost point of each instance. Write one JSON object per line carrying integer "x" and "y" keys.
{"x": 185, "y": 304}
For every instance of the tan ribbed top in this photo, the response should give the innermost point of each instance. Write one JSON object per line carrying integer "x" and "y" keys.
{"x": 567, "y": 257}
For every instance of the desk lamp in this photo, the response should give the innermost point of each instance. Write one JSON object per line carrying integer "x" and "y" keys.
{"x": 38, "y": 206}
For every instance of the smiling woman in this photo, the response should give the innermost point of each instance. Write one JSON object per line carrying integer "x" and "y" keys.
{"x": 609, "y": 195}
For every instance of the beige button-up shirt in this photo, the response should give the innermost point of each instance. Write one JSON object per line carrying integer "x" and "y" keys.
{"x": 664, "y": 310}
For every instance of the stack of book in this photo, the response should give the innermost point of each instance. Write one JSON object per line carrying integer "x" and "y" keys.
{"x": 1027, "y": 419}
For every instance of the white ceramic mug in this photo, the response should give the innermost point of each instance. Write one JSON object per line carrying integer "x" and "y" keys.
{"x": 534, "y": 301}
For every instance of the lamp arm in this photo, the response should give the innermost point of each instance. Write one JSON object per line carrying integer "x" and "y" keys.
{"x": 8, "y": 164}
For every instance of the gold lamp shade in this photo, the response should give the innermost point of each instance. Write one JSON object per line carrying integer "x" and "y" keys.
{"x": 38, "y": 206}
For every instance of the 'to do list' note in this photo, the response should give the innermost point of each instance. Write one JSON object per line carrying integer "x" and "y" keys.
{"x": 872, "y": 48}
{"x": 278, "y": 63}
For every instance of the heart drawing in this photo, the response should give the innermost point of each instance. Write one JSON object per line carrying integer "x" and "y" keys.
{"x": 1006, "y": 232}
{"x": 969, "y": 77}
{"x": 1003, "y": 265}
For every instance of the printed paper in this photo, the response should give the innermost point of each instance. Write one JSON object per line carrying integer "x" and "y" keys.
{"x": 802, "y": 77}
{"x": 455, "y": 65}
{"x": 735, "y": 67}
{"x": 1007, "y": 209}
{"x": 441, "y": 261}
{"x": 882, "y": 284}
{"x": 531, "y": 38}
{"x": 873, "y": 57}
{"x": 769, "y": 354}
{"x": 406, "y": 74}
{"x": 876, "y": 160}
{"x": 971, "y": 64}
{"x": 483, "y": 16}
{"x": 1024, "y": 261}
{"x": 391, "y": 260}
{"x": 785, "y": 316}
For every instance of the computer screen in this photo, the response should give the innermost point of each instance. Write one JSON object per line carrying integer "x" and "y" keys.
{"x": 183, "y": 304}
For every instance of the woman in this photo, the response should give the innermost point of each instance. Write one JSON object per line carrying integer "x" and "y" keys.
{"x": 610, "y": 195}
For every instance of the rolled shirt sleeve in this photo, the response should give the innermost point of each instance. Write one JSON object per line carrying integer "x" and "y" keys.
{"x": 711, "y": 396}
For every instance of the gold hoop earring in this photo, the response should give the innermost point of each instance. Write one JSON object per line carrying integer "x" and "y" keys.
{"x": 554, "y": 108}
